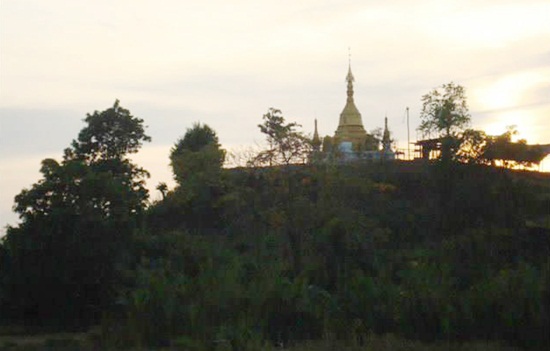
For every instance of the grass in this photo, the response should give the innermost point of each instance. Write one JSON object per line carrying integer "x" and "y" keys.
{"x": 85, "y": 342}
{"x": 393, "y": 343}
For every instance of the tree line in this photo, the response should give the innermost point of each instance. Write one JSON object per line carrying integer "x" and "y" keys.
{"x": 278, "y": 252}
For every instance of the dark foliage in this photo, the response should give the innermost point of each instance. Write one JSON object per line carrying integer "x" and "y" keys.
{"x": 60, "y": 265}
{"x": 340, "y": 251}
{"x": 249, "y": 256}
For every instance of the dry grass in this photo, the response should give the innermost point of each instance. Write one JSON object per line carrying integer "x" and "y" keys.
{"x": 49, "y": 341}
{"x": 392, "y": 343}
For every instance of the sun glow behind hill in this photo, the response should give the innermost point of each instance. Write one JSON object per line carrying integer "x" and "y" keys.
{"x": 545, "y": 165}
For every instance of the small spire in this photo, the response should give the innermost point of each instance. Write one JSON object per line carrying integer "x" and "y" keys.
{"x": 349, "y": 78}
{"x": 315, "y": 133}
{"x": 386, "y": 141}
{"x": 316, "y": 141}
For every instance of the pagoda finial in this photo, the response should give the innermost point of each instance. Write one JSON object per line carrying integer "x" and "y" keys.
{"x": 350, "y": 125}
{"x": 316, "y": 141}
{"x": 349, "y": 78}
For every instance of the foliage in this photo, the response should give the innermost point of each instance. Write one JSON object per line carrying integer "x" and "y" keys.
{"x": 316, "y": 256}
{"x": 327, "y": 144}
{"x": 196, "y": 138}
{"x": 110, "y": 134}
{"x": 163, "y": 188}
{"x": 391, "y": 342}
{"x": 198, "y": 150}
{"x": 477, "y": 147}
{"x": 197, "y": 161}
{"x": 444, "y": 111}
{"x": 371, "y": 142}
{"x": 501, "y": 148}
{"x": 285, "y": 144}
{"x": 77, "y": 221}
{"x": 371, "y": 259}
{"x": 472, "y": 146}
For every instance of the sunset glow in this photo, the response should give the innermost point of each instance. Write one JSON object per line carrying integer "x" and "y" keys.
{"x": 223, "y": 63}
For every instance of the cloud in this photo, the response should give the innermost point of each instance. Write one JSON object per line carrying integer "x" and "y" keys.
{"x": 28, "y": 131}
{"x": 488, "y": 26}
{"x": 174, "y": 63}
{"x": 512, "y": 90}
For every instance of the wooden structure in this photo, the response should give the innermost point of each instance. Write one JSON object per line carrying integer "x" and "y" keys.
{"x": 427, "y": 149}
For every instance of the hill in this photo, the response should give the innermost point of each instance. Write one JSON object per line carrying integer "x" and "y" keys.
{"x": 281, "y": 255}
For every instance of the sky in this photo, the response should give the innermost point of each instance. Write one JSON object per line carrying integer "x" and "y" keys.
{"x": 225, "y": 63}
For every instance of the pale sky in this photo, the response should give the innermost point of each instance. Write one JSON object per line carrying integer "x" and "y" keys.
{"x": 225, "y": 63}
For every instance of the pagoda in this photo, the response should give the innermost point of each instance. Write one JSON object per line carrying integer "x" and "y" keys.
{"x": 350, "y": 128}
{"x": 351, "y": 142}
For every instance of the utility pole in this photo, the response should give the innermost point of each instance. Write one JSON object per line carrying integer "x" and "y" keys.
{"x": 408, "y": 137}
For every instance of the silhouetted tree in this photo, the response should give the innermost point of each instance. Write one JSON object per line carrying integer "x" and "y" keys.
{"x": 197, "y": 161}
{"x": 198, "y": 151}
{"x": 77, "y": 223}
{"x": 110, "y": 134}
{"x": 286, "y": 145}
{"x": 445, "y": 113}
{"x": 163, "y": 188}
{"x": 472, "y": 146}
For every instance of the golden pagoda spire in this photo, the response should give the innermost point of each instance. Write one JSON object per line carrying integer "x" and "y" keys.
{"x": 350, "y": 126}
{"x": 350, "y": 78}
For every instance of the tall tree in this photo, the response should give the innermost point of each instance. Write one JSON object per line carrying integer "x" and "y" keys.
{"x": 77, "y": 223}
{"x": 197, "y": 161}
{"x": 445, "y": 113}
{"x": 286, "y": 145}
{"x": 198, "y": 151}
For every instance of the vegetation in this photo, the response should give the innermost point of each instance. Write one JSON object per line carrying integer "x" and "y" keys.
{"x": 361, "y": 256}
{"x": 445, "y": 113}
{"x": 286, "y": 145}
{"x": 478, "y": 147}
{"x": 61, "y": 266}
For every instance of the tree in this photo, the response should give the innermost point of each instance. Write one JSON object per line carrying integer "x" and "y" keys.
{"x": 77, "y": 224}
{"x": 372, "y": 140}
{"x": 285, "y": 144}
{"x": 445, "y": 113}
{"x": 197, "y": 161}
{"x": 110, "y": 134}
{"x": 512, "y": 154}
{"x": 196, "y": 138}
{"x": 197, "y": 152}
{"x": 163, "y": 188}
{"x": 472, "y": 146}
